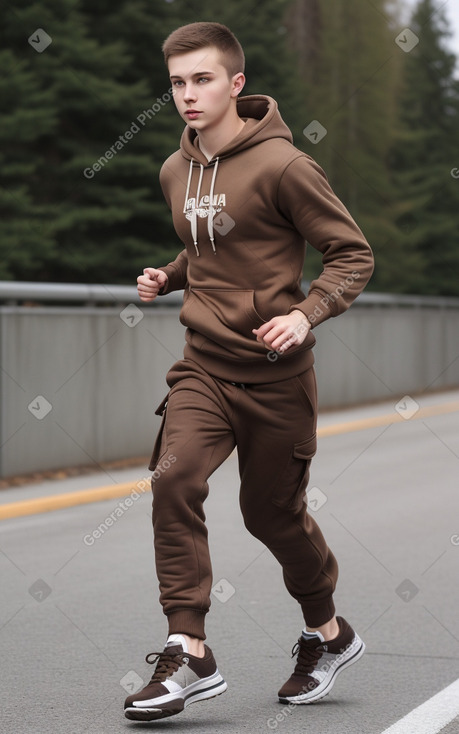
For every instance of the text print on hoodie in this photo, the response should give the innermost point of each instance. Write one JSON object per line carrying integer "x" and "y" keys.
{"x": 244, "y": 217}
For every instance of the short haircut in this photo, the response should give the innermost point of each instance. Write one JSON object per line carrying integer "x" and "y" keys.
{"x": 202, "y": 35}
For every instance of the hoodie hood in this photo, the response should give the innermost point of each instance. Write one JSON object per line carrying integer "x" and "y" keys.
{"x": 263, "y": 122}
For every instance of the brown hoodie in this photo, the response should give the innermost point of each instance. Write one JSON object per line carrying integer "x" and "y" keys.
{"x": 244, "y": 217}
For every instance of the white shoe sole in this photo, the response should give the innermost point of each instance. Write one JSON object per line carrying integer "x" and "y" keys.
{"x": 174, "y": 703}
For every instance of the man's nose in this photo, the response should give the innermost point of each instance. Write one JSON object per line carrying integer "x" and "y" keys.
{"x": 190, "y": 93}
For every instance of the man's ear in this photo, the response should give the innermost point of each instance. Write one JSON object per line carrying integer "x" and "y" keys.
{"x": 237, "y": 84}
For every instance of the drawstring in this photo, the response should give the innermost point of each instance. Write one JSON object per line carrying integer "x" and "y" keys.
{"x": 194, "y": 226}
{"x": 190, "y": 173}
{"x": 194, "y": 215}
{"x": 210, "y": 219}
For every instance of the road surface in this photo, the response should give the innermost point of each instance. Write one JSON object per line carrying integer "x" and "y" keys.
{"x": 79, "y": 607}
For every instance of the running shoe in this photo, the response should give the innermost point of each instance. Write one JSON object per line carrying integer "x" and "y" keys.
{"x": 319, "y": 662}
{"x": 179, "y": 679}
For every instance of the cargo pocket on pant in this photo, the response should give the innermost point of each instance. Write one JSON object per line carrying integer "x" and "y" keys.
{"x": 158, "y": 448}
{"x": 293, "y": 481}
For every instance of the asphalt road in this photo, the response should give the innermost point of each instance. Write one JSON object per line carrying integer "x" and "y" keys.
{"x": 78, "y": 616}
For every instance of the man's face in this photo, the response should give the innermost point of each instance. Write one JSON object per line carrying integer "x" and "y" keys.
{"x": 203, "y": 93}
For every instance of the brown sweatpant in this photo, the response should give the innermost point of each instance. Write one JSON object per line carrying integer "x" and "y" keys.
{"x": 273, "y": 426}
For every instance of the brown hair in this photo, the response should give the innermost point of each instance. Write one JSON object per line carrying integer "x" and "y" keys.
{"x": 201, "y": 35}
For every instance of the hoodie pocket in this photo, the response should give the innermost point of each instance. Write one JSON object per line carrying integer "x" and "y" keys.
{"x": 292, "y": 483}
{"x": 224, "y": 316}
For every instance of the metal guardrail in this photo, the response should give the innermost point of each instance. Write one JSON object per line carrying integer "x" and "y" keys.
{"x": 89, "y": 294}
{"x": 15, "y": 293}
{"x": 400, "y": 299}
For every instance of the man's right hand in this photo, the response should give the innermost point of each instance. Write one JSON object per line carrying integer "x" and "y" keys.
{"x": 149, "y": 284}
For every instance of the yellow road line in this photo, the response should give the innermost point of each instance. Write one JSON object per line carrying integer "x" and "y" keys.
{"x": 386, "y": 420}
{"x": 70, "y": 499}
{"x": 98, "y": 494}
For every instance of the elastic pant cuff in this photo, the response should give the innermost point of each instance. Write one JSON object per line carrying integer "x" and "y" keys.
{"x": 188, "y": 621}
{"x": 315, "y": 615}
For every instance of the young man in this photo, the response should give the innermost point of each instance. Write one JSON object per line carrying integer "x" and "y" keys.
{"x": 243, "y": 201}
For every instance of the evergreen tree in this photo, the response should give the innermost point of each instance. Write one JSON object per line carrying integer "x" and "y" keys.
{"x": 350, "y": 65}
{"x": 27, "y": 115}
{"x": 425, "y": 155}
{"x": 101, "y": 87}
{"x": 66, "y": 216}
{"x": 90, "y": 121}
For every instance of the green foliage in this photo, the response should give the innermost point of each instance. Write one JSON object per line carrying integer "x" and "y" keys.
{"x": 67, "y": 107}
{"x": 350, "y": 64}
{"x": 425, "y": 152}
{"x": 70, "y": 104}
{"x": 88, "y": 123}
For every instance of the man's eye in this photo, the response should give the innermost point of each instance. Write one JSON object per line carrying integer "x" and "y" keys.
{"x": 178, "y": 84}
{"x": 203, "y": 79}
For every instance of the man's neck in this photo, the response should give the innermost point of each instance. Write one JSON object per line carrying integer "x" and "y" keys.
{"x": 211, "y": 141}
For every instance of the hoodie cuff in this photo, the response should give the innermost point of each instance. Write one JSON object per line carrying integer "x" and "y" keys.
{"x": 173, "y": 278}
{"x": 316, "y": 308}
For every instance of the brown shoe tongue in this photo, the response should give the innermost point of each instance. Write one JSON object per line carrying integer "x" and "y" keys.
{"x": 173, "y": 649}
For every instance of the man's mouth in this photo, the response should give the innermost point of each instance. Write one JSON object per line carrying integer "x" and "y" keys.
{"x": 192, "y": 114}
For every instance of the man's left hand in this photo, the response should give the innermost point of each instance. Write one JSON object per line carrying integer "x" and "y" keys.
{"x": 283, "y": 332}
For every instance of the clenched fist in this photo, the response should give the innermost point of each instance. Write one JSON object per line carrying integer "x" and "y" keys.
{"x": 283, "y": 332}
{"x": 150, "y": 283}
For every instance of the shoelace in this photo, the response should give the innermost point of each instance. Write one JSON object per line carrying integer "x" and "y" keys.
{"x": 309, "y": 653}
{"x": 168, "y": 663}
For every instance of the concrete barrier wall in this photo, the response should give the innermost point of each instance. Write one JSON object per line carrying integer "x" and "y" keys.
{"x": 376, "y": 352}
{"x": 79, "y": 385}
